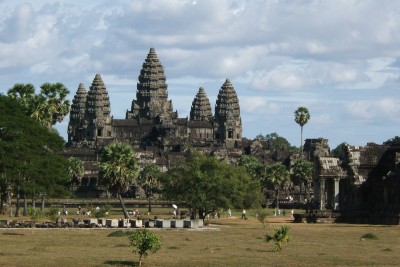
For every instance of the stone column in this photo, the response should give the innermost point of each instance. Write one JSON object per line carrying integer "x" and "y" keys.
{"x": 336, "y": 196}
{"x": 322, "y": 193}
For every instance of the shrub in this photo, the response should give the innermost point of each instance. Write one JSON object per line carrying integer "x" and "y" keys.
{"x": 371, "y": 236}
{"x": 281, "y": 235}
{"x": 144, "y": 241}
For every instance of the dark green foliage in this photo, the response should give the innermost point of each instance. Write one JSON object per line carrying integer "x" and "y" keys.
{"x": 340, "y": 151}
{"x": 143, "y": 241}
{"x": 103, "y": 212}
{"x": 276, "y": 141}
{"x": 29, "y": 160}
{"x": 395, "y": 141}
{"x": 53, "y": 214}
{"x": 371, "y": 236}
{"x": 277, "y": 176}
{"x": 118, "y": 169}
{"x": 206, "y": 184}
{"x": 48, "y": 107}
{"x": 281, "y": 236}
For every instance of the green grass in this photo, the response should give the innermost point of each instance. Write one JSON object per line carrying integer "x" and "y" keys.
{"x": 233, "y": 242}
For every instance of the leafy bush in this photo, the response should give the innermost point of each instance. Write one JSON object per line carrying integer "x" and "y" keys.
{"x": 103, "y": 212}
{"x": 34, "y": 213}
{"x": 281, "y": 235}
{"x": 144, "y": 241}
{"x": 53, "y": 214}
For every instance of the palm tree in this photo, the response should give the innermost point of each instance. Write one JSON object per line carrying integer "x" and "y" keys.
{"x": 280, "y": 236}
{"x": 48, "y": 107}
{"x": 75, "y": 171}
{"x": 301, "y": 116}
{"x": 303, "y": 170}
{"x": 118, "y": 169}
{"x": 278, "y": 176}
{"x": 148, "y": 180}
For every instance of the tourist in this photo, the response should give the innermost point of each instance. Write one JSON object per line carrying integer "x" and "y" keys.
{"x": 292, "y": 212}
{"x": 229, "y": 213}
{"x": 244, "y": 215}
{"x": 79, "y": 210}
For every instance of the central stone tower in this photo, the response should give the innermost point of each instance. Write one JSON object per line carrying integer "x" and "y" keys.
{"x": 152, "y": 95}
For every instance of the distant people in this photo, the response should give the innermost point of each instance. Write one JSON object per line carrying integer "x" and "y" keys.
{"x": 97, "y": 209}
{"x": 279, "y": 212}
{"x": 229, "y": 213}
{"x": 79, "y": 210}
{"x": 244, "y": 215}
{"x": 174, "y": 213}
{"x": 65, "y": 211}
{"x": 292, "y": 212}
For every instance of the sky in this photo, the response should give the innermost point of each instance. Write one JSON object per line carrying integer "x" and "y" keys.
{"x": 338, "y": 58}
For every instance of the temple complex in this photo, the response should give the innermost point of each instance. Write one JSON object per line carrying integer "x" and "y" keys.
{"x": 363, "y": 185}
{"x": 154, "y": 129}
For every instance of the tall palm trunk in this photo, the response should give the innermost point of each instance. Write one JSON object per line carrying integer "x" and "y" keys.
{"x": 301, "y": 142}
{"x": 121, "y": 200}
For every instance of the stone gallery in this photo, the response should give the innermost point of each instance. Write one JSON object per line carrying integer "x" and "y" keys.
{"x": 362, "y": 185}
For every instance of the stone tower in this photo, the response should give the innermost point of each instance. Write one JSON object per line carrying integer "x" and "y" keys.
{"x": 77, "y": 115}
{"x": 201, "y": 109}
{"x": 152, "y": 94}
{"x": 228, "y": 124}
{"x": 97, "y": 115}
{"x": 200, "y": 126}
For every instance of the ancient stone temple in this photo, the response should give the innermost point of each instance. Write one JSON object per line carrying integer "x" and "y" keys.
{"x": 362, "y": 187}
{"x": 151, "y": 120}
{"x": 152, "y": 126}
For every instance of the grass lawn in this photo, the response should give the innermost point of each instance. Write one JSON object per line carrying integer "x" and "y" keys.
{"x": 226, "y": 242}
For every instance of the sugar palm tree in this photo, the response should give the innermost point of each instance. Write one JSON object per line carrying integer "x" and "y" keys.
{"x": 148, "y": 180}
{"x": 278, "y": 176}
{"x": 301, "y": 116}
{"x": 48, "y": 107}
{"x": 118, "y": 169}
{"x": 75, "y": 171}
{"x": 303, "y": 170}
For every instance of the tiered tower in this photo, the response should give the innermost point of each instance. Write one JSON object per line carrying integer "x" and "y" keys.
{"x": 201, "y": 109}
{"x": 77, "y": 115}
{"x": 152, "y": 94}
{"x": 97, "y": 115}
{"x": 228, "y": 124}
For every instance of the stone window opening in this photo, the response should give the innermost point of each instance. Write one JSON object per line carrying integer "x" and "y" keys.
{"x": 99, "y": 132}
{"x": 230, "y": 134}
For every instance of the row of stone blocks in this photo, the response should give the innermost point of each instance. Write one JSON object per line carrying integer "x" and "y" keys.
{"x": 112, "y": 223}
{"x": 158, "y": 223}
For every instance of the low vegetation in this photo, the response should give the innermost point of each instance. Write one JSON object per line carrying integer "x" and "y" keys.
{"x": 233, "y": 242}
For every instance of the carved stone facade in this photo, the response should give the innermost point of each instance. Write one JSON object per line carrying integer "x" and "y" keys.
{"x": 364, "y": 185}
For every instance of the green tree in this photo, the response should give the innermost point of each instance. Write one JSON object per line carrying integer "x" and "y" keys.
{"x": 206, "y": 184}
{"x": 276, "y": 141}
{"x": 252, "y": 165}
{"x": 278, "y": 176}
{"x": 29, "y": 159}
{"x": 143, "y": 241}
{"x": 395, "y": 141}
{"x": 76, "y": 171}
{"x": 118, "y": 169}
{"x": 340, "y": 151}
{"x": 303, "y": 171}
{"x": 301, "y": 116}
{"x": 48, "y": 107}
{"x": 281, "y": 236}
{"x": 149, "y": 180}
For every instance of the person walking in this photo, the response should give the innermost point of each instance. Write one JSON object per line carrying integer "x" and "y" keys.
{"x": 244, "y": 215}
